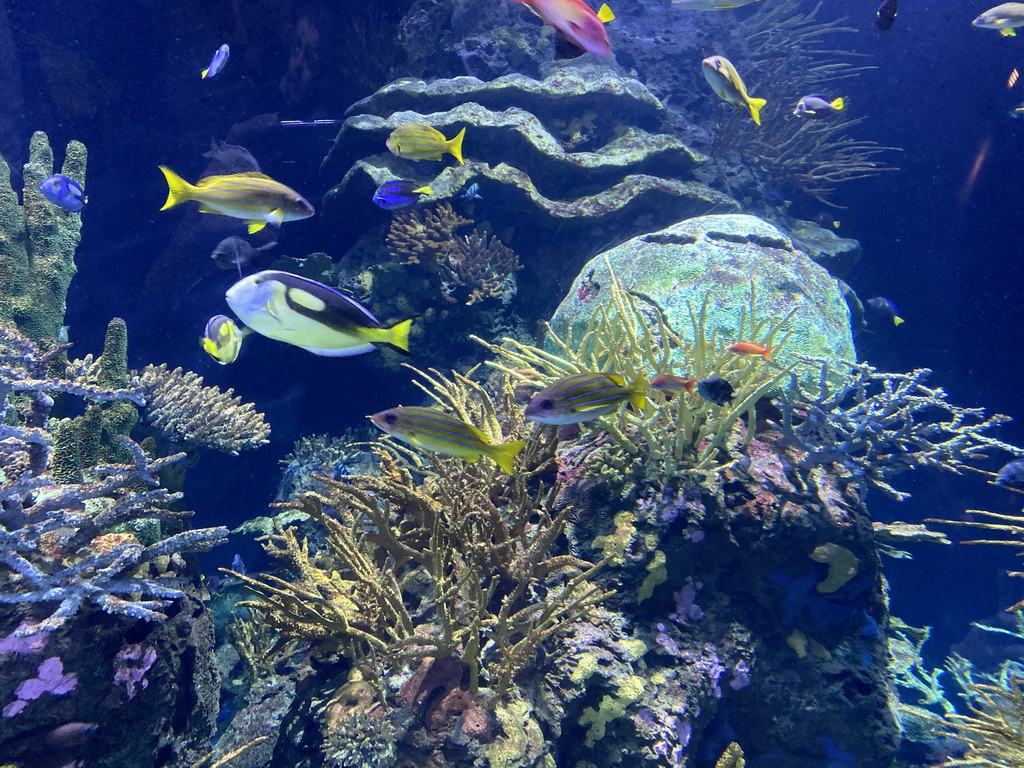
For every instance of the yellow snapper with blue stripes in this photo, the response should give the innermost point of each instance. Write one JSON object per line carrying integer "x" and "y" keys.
{"x": 418, "y": 141}
{"x": 438, "y": 432}
{"x": 254, "y": 197}
{"x": 311, "y": 315}
{"x": 222, "y": 339}
{"x": 585, "y": 396}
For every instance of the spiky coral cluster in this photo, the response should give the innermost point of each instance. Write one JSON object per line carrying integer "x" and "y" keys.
{"x": 477, "y": 264}
{"x": 181, "y": 407}
{"x": 60, "y": 545}
{"x": 449, "y": 565}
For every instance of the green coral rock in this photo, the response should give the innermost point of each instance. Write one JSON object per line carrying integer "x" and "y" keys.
{"x": 722, "y": 258}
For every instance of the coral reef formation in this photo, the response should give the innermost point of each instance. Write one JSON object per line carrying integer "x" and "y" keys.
{"x": 733, "y": 265}
{"x": 38, "y": 242}
{"x": 556, "y": 152}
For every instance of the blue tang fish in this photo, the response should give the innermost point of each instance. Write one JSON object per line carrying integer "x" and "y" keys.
{"x": 392, "y": 195}
{"x": 220, "y": 58}
{"x": 65, "y": 192}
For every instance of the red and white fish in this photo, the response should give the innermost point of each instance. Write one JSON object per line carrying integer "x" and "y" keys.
{"x": 577, "y": 22}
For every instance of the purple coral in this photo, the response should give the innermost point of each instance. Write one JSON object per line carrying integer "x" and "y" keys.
{"x": 27, "y": 639}
{"x": 133, "y": 662}
{"x": 50, "y": 678}
{"x": 686, "y": 607}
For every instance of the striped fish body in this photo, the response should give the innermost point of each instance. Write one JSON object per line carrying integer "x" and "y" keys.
{"x": 311, "y": 315}
{"x": 585, "y": 396}
{"x": 254, "y": 197}
{"x": 418, "y": 141}
{"x": 438, "y": 432}
{"x": 222, "y": 339}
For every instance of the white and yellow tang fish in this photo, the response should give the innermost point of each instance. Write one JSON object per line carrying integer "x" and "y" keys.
{"x": 222, "y": 339}
{"x": 254, "y": 197}
{"x": 727, "y": 83}
{"x": 1003, "y": 17}
{"x": 710, "y": 5}
{"x": 311, "y": 315}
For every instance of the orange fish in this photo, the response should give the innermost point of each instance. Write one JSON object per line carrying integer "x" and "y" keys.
{"x": 748, "y": 348}
{"x": 666, "y": 382}
{"x": 577, "y": 22}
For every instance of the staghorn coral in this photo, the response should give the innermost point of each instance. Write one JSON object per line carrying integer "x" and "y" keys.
{"x": 37, "y": 243}
{"x": 449, "y": 565}
{"x": 186, "y": 411}
{"x": 788, "y": 54}
{"x": 59, "y": 543}
{"x": 476, "y": 263}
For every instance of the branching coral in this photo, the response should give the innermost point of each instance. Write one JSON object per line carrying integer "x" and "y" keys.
{"x": 60, "y": 544}
{"x": 632, "y": 337}
{"x": 480, "y": 264}
{"x": 875, "y": 425}
{"x": 181, "y": 407}
{"x": 788, "y": 57}
{"x": 464, "y": 562}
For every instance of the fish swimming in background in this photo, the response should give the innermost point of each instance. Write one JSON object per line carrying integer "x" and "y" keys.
{"x": 715, "y": 390}
{"x": 710, "y": 5}
{"x": 577, "y": 22}
{"x": 65, "y": 192}
{"x": 418, "y": 141}
{"x": 220, "y": 58}
{"x": 311, "y": 315}
{"x": 667, "y": 383}
{"x": 749, "y": 348}
{"x": 438, "y": 432}
{"x": 1003, "y": 17}
{"x": 222, "y": 339}
{"x": 254, "y": 197}
{"x": 472, "y": 192}
{"x": 1011, "y": 475}
{"x": 392, "y": 195}
{"x": 818, "y": 106}
{"x": 885, "y": 308}
{"x": 885, "y": 16}
{"x": 727, "y": 83}
{"x": 237, "y": 253}
{"x": 585, "y": 396}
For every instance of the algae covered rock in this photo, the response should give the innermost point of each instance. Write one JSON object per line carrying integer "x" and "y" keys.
{"x": 724, "y": 258}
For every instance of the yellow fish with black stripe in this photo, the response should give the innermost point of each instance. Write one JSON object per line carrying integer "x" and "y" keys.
{"x": 438, "y": 432}
{"x": 418, "y": 141}
{"x": 311, "y": 315}
{"x": 254, "y": 197}
{"x": 222, "y": 339}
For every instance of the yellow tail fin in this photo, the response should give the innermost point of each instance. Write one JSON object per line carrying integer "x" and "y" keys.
{"x": 253, "y": 225}
{"x": 203, "y": 73}
{"x": 398, "y": 335}
{"x": 424, "y": 190}
{"x": 755, "y": 106}
{"x": 455, "y": 146}
{"x": 605, "y": 14}
{"x": 638, "y": 393}
{"x": 1008, "y": 32}
{"x": 504, "y": 455}
{"x": 178, "y": 190}
{"x": 838, "y": 103}
{"x": 897, "y": 321}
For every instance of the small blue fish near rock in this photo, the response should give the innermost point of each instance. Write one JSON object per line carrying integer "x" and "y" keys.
{"x": 220, "y": 58}
{"x": 472, "y": 192}
{"x": 885, "y": 308}
{"x": 715, "y": 390}
{"x": 395, "y": 194}
{"x": 1011, "y": 475}
{"x": 64, "y": 191}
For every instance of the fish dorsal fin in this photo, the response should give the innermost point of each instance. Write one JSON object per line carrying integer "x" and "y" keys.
{"x": 617, "y": 378}
{"x": 208, "y": 180}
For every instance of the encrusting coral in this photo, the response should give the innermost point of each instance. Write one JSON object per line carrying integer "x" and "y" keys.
{"x": 61, "y": 545}
{"x": 477, "y": 264}
{"x": 182, "y": 408}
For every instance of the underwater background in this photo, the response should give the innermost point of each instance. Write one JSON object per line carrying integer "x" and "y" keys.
{"x": 788, "y": 672}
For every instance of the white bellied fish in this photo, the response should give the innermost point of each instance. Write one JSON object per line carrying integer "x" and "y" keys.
{"x": 432, "y": 430}
{"x": 311, "y": 315}
{"x": 254, "y": 197}
{"x": 818, "y": 106}
{"x": 727, "y": 83}
{"x": 1005, "y": 18}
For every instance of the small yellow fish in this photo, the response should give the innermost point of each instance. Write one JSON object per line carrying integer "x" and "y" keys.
{"x": 727, "y": 83}
{"x": 431, "y": 430}
{"x": 254, "y": 197}
{"x": 222, "y": 339}
{"x": 418, "y": 141}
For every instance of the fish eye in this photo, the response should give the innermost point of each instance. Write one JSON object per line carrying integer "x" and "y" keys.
{"x": 390, "y": 418}
{"x": 547, "y": 403}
